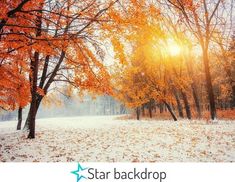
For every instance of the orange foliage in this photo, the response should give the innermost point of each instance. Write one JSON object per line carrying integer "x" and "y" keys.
{"x": 38, "y": 26}
{"x": 14, "y": 89}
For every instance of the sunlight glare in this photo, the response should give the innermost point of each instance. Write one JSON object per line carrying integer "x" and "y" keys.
{"x": 173, "y": 48}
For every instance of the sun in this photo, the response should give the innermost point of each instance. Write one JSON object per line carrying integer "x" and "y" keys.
{"x": 173, "y": 48}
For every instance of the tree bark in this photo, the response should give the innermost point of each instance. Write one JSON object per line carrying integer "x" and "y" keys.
{"x": 196, "y": 100}
{"x": 150, "y": 109}
{"x": 209, "y": 87}
{"x": 179, "y": 105}
{"x": 186, "y": 105}
{"x": 47, "y": 85}
{"x": 19, "y": 119}
{"x": 170, "y": 110}
{"x": 194, "y": 88}
{"x": 143, "y": 111}
{"x": 154, "y": 107}
{"x": 161, "y": 108}
{"x": 138, "y": 113}
{"x": 34, "y": 71}
{"x": 33, "y": 105}
{"x": 39, "y": 99}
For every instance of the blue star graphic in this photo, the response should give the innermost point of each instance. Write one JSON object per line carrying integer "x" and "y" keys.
{"x": 79, "y": 177}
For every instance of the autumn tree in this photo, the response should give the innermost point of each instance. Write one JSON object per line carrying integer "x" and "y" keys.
{"x": 232, "y": 58}
{"x": 224, "y": 41}
{"x": 60, "y": 40}
{"x": 147, "y": 73}
{"x": 200, "y": 18}
{"x": 14, "y": 90}
{"x": 177, "y": 30}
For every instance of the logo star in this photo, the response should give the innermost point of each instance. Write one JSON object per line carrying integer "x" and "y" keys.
{"x": 79, "y": 177}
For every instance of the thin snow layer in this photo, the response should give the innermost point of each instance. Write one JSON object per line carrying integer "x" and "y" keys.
{"x": 106, "y": 139}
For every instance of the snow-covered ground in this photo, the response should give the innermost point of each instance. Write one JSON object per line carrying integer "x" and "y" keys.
{"x": 107, "y": 139}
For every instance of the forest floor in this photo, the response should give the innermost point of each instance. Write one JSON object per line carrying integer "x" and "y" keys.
{"x": 108, "y": 139}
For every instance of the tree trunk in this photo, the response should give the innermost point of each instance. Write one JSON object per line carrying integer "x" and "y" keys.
{"x": 39, "y": 99}
{"x": 19, "y": 119}
{"x": 196, "y": 100}
{"x": 170, "y": 110}
{"x": 34, "y": 71}
{"x": 150, "y": 109}
{"x": 161, "y": 108}
{"x": 186, "y": 105}
{"x": 143, "y": 111}
{"x": 155, "y": 108}
{"x": 138, "y": 113}
{"x": 32, "y": 118}
{"x": 33, "y": 105}
{"x": 194, "y": 88}
{"x": 209, "y": 87}
{"x": 179, "y": 106}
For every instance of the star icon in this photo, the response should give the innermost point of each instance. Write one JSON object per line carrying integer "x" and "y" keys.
{"x": 80, "y": 168}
